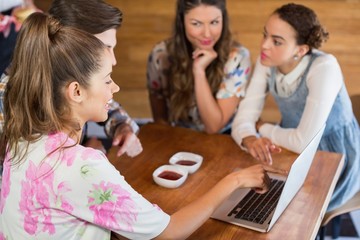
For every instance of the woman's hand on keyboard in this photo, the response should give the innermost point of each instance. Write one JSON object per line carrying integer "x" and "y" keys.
{"x": 255, "y": 177}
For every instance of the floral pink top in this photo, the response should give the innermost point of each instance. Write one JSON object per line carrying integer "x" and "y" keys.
{"x": 72, "y": 194}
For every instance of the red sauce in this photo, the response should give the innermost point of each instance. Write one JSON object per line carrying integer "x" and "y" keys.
{"x": 169, "y": 175}
{"x": 186, "y": 162}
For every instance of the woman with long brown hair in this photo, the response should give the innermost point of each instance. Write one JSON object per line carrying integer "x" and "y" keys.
{"x": 197, "y": 77}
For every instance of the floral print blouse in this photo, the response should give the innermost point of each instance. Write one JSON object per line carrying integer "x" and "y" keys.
{"x": 237, "y": 72}
{"x": 72, "y": 194}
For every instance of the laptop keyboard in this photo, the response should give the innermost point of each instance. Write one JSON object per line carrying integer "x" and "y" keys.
{"x": 255, "y": 207}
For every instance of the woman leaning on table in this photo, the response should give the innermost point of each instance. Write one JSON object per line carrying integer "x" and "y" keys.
{"x": 197, "y": 77}
{"x": 308, "y": 87}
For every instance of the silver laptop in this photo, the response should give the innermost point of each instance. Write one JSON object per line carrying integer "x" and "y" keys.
{"x": 260, "y": 211}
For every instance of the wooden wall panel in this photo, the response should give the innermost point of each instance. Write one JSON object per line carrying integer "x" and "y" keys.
{"x": 147, "y": 22}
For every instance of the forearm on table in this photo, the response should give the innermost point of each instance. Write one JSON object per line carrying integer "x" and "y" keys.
{"x": 210, "y": 112}
{"x": 248, "y": 113}
{"x": 244, "y": 125}
{"x": 316, "y": 112}
{"x": 295, "y": 139}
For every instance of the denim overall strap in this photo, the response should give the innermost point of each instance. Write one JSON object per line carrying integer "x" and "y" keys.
{"x": 292, "y": 107}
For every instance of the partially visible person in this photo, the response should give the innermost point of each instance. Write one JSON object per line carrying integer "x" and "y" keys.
{"x": 54, "y": 188}
{"x": 12, "y": 14}
{"x": 309, "y": 89}
{"x": 197, "y": 77}
{"x": 102, "y": 20}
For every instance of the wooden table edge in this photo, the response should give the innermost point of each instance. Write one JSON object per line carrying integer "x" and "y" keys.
{"x": 328, "y": 197}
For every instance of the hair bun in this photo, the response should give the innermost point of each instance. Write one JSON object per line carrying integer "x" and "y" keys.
{"x": 317, "y": 36}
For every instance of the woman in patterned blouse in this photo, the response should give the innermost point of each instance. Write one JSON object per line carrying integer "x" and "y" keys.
{"x": 197, "y": 77}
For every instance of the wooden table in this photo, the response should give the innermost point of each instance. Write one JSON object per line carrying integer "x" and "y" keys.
{"x": 302, "y": 218}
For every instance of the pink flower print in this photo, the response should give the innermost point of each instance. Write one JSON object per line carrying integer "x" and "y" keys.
{"x": 35, "y": 197}
{"x": 2, "y": 237}
{"x": 68, "y": 156}
{"x": 64, "y": 204}
{"x": 56, "y": 140}
{"x": 48, "y": 225}
{"x": 90, "y": 153}
{"x": 53, "y": 141}
{"x": 112, "y": 205}
{"x": 6, "y": 183}
{"x": 38, "y": 196}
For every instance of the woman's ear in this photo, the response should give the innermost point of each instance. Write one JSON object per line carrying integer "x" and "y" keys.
{"x": 303, "y": 49}
{"x": 74, "y": 92}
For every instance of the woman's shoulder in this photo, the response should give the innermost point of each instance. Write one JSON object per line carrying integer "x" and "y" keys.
{"x": 159, "y": 52}
{"x": 324, "y": 68}
{"x": 159, "y": 47}
{"x": 324, "y": 58}
{"x": 239, "y": 57}
{"x": 239, "y": 49}
{"x": 70, "y": 148}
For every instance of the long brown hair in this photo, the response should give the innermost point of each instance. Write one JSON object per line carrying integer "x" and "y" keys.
{"x": 181, "y": 80}
{"x": 47, "y": 57}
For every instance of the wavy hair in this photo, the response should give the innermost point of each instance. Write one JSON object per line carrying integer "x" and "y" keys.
{"x": 181, "y": 79}
{"x": 306, "y": 24}
{"x": 47, "y": 58}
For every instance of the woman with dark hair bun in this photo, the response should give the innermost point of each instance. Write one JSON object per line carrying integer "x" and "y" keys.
{"x": 309, "y": 89}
